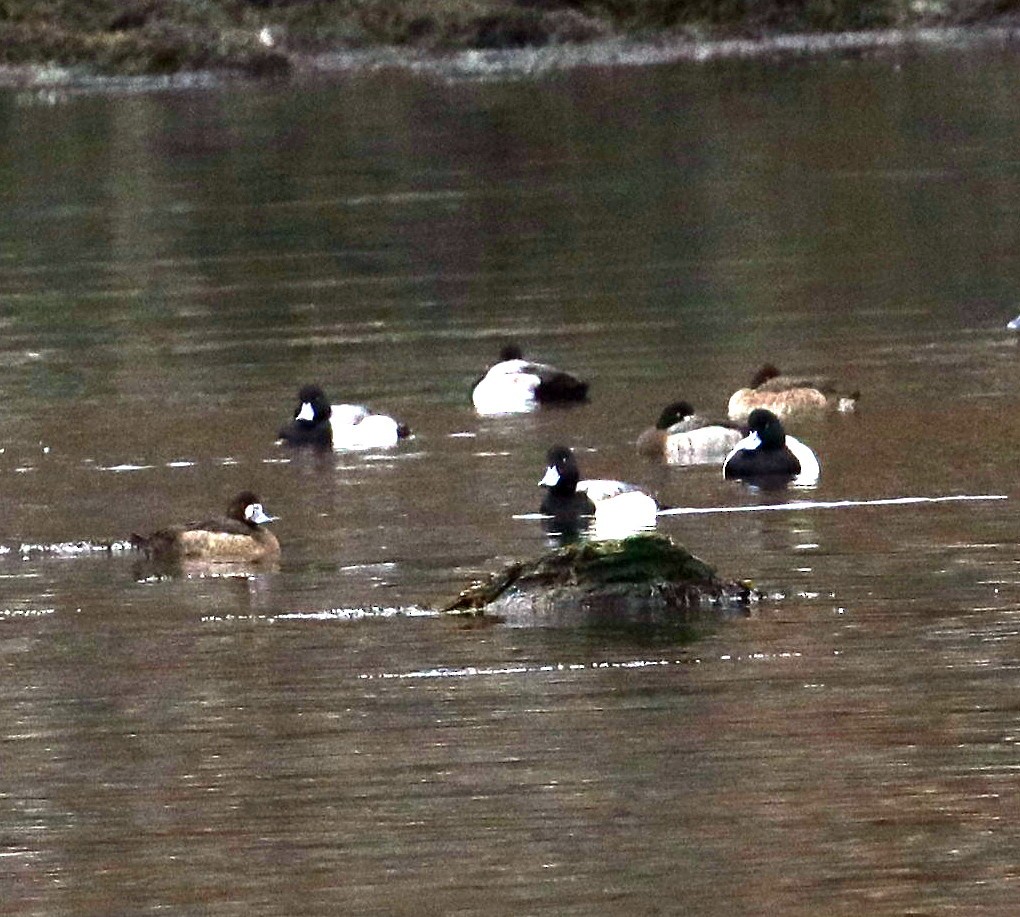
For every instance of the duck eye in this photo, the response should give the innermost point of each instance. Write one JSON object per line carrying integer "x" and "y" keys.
{"x": 252, "y": 510}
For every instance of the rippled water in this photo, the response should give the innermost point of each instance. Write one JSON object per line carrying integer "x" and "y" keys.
{"x": 312, "y": 738}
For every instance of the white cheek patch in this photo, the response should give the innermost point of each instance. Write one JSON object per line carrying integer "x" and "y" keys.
{"x": 551, "y": 477}
{"x": 306, "y": 412}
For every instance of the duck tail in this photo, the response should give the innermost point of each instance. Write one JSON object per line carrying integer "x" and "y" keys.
{"x": 140, "y": 543}
{"x": 154, "y": 545}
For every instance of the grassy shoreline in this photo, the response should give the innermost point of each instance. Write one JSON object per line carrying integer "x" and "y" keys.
{"x": 276, "y": 37}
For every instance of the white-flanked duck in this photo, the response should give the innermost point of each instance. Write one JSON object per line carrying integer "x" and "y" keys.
{"x": 767, "y": 456}
{"x": 339, "y": 426}
{"x": 618, "y": 508}
{"x": 515, "y": 385}
{"x": 682, "y": 437}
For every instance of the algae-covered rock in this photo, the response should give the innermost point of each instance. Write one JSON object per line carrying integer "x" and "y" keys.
{"x": 646, "y": 578}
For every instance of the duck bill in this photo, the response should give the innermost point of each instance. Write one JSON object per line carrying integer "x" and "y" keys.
{"x": 551, "y": 477}
{"x": 306, "y": 412}
{"x": 257, "y": 515}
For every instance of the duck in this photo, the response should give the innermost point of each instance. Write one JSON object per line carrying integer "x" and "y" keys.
{"x": 515, "y": 385}
{"x": 767, "y": 455}
{"x": 617, "y": 507}
{"x": 786, "y": 396}
{"x": 339, "y": 426}
{"x": 682, "y": 437}
{"x": 237, "y": 537}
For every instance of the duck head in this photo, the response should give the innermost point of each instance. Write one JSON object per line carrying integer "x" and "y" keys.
{"x": 247, "y": 507}
{"x": 313, "y": 407}
{"x": 674, "y": 414}
{"x": 765, "y": 431}
{"x": 561, "y": 473}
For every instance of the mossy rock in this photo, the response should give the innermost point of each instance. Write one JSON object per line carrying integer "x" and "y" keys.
{"x": 644, "y": 579}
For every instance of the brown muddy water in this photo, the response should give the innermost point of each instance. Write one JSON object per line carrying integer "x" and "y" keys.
{"x": 311, "y": 739}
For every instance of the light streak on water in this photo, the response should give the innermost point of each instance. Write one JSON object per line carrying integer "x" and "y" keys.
{"x": 470, "y": 671}
{"x": 828, "y": 504}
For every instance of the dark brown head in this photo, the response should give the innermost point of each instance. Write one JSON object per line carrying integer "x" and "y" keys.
{"x": 767, "y": 371}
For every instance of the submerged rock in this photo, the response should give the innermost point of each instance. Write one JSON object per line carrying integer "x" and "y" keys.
{"x": 644, "y": 579}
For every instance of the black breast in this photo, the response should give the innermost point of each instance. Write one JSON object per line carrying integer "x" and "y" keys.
{"x": 298, "y": 433}
{"x": 752, "y": 463}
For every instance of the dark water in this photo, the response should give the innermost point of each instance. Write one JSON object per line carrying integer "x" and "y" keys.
{"x": 309, "y": 740}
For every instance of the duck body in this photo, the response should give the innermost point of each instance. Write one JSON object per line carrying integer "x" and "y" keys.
{"x": 616, "y": 506}
{"x": 515, "y": 385}
{"x": 682, "y": 437}
{"x": 767, "y": 455}
{"x": 323, "y": 425}
{"x": 238, "y": 537}
{"x": 787, "y": 396}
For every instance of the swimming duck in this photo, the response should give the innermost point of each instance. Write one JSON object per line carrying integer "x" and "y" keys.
{"x": 237, "y": 537}
{"x": 339, "y": 426}
{"x": 787, "y": 395}
{"x": 682, "y": 437}
{"x": 768, "y": 455}
{"x": 515, "y": 385}
{"x": 618, "y": 507}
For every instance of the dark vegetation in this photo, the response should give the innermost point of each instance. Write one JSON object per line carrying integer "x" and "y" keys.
{"x": 163, "y": 36}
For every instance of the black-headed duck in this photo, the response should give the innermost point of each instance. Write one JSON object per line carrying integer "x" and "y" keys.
{"x": 682, "y": 437}
{"x": 768, "y": 456}
{"x": 618, "y": 508}
{"x": 339, "y": 426}
{"x": 515, "y": 385}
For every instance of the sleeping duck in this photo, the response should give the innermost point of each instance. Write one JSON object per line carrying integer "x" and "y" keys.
{"x": 682, "y": 437}
{"x": 515, "y": 385}
{"x": 786, "y": 396}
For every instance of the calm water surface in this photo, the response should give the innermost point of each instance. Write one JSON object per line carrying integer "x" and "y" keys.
{"x": 310, "y": 739}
